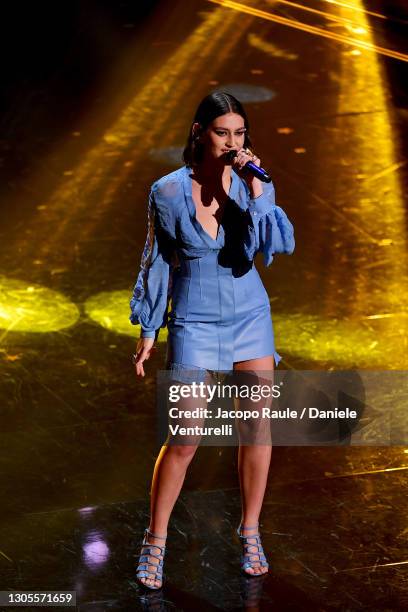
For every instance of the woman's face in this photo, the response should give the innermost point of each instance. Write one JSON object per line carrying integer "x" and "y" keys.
{"x": 225, "y": 133}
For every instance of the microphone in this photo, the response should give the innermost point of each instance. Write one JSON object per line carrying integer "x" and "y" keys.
{"x": 260, "y": 173}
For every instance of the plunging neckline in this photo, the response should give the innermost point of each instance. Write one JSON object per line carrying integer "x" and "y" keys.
{"x": 193, "y": 208}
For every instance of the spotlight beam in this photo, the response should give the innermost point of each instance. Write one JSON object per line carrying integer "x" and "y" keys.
{"x": 304, "y": 27}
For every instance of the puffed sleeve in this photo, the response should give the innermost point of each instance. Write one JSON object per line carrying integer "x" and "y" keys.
{"x": 149, "y": 301}
{"x": 272, "y": 230}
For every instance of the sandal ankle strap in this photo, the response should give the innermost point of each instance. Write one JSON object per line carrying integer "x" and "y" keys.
{"x": 241, "y": 527}
{"x": 249, "y": 526}
{"x": 147, "y": 531}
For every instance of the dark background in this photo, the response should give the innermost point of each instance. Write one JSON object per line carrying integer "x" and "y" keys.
{"x": 55, "y": 57}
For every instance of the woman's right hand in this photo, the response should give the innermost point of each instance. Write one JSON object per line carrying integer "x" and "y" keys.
{"x": 144, "y": 349}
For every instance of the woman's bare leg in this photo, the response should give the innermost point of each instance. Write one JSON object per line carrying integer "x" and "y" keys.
{"x": 168, "y": 477}
{"x": 253, "y": 465}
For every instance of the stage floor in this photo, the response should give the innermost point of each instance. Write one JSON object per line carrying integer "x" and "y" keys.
{"x": 78, "y": 428}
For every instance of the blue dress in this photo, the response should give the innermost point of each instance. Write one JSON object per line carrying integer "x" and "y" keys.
{"x": 220, "y": 311}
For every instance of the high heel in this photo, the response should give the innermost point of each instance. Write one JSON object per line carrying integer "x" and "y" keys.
{"x": 247, "y": 560}
{"x": 143, "y": 570}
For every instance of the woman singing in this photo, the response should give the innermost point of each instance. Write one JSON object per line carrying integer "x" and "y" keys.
{"x": 206, "y": 222}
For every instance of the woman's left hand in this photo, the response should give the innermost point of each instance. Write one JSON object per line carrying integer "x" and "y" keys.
{"x": 238, "y": 163}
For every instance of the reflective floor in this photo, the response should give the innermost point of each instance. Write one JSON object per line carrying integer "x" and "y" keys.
{"x": 323, "y": 84}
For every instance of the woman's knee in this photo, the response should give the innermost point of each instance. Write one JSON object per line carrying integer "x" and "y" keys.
{"x": 183, "y": 451}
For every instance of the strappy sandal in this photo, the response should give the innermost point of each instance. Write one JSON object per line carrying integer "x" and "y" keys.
{"x": 251, "y": 558}
{"x": 143, "y": 571}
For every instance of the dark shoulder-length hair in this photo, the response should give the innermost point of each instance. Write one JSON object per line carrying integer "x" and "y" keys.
{"x": 212, "y": 106}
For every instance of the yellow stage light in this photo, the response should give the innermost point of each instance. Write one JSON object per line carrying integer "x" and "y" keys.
{"x": 110, "y": 309}
{"x": 27, "y": 307}
{"x": 362, "y": 344}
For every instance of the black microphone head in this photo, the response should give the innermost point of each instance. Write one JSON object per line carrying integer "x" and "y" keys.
{"x": 231, "y": 154}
